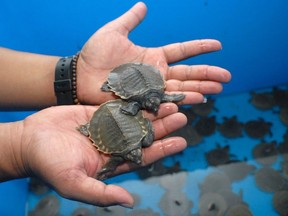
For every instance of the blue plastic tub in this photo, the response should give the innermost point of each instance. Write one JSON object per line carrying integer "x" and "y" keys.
{"x": 253, "y": 33}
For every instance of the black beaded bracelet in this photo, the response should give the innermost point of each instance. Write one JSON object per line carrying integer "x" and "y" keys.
{"x": 65, "y": 85}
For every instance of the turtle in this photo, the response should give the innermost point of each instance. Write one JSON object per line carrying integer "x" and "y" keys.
{"x": 280, "y": 200}
{"x": 212, "y": 204}
{"x": 141, "y": 85}
{"x": 204, "y": 109}
{"x": 82, "y": 211}
{"x": 266, "y": 153}
{"x": 257, "y": 129}
{"x": 262, "y": 101}
{"x": 206, "y": 126}
{"x": 231, "y": 127}
{"x": 269, "y": 180}
{"x": 215, "y": 182}
{"x": 218, "y": 156}
{"x": 48, "y": 205}
{"x": 117, "y": 134}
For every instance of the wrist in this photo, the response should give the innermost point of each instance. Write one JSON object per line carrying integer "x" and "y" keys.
{"x": 12, "y": 164}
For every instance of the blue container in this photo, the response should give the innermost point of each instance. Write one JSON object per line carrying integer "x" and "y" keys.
{"x": 253, "y": 33}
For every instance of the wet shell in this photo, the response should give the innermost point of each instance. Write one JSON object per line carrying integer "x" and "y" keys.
{"x": 239, "y": 210}
{"x": 262, "y": 101}
{"x": 231, "y": 127}
{"x": 280, "y": 202}
{"x": 257, "y": 128}
{"x": 211, "y": 204}
{"x": 47, "y": 206}
{"x": 215, "y": 182}
{"x": 206, "y": 126}
{"x": 269, "y": 180}
{"x": 218, "y": 156}
{"x": 266, "y": 153}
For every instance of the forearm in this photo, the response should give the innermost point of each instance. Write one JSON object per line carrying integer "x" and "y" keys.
{"x": 11, "y": 161}
{"x": 27, "y": 80}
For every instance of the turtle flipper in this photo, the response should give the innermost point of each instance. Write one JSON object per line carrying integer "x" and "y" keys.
{"x": 131, "y": 108}
{"x": 109, "y": 167}
{"x": 105, "y": 87}
{"x": 149, "y": 138}
{"x": 173, "y": 97}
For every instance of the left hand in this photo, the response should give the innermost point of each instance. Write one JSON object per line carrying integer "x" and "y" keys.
{"x": 52, "y": 149}
{"x": 109, "y": 47}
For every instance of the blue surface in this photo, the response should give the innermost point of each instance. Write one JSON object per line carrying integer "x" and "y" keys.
{"x": 253, "y": 33}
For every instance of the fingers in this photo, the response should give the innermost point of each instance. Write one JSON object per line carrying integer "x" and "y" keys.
{"x": 180, "y": 51}
{"x": 198, "y": 72}
{"x": 163, "y": 148}
{"x": 129, "y": 20}
{"x": 89, "y": 190}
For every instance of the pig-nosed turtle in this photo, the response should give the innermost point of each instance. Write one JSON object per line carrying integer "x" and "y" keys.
{"x": 141, "y": 85}
{"x": 120, "y": 135}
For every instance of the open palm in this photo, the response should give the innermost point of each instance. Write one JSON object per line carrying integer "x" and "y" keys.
{"x": 109, "y": 47}
{"x": 55, "y": 151}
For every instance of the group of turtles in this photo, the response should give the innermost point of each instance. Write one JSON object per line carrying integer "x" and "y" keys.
{"x": 118, "y": 127}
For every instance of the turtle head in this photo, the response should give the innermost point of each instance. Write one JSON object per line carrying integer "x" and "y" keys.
{"x": 152, "y": 103}
{"x": 135, "y": 156}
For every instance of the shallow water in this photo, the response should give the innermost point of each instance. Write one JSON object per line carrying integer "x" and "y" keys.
{"x": 197, "y": 187}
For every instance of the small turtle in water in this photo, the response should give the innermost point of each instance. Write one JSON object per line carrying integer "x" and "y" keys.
{"x": 215, "y": 182}
{"x": 257, "y": 128}
{"x": 262, "y": 101}
{"x": 239, "y": 210}
{"x": 204, "y": 109}
{"x": 206, "y": 126}
{"x": 231, "y": 127}
{"x": 280, "y": 96}
{"x": 211, "y": 204}
{"x": 111, "y": 211}
{"x": 82, "y": 212}
{"x": 47, "y": 206}
{"x": 218, "y": 156}
{"x": 269, "y": 180}
{"x": 280, "y": 202}
{"x": 266, "y": 153}
{"x": 122, "y": 136}
{"x": 37, "y": 186}
{"x": 237, "y": 170}
{"x": 141, "y": 85}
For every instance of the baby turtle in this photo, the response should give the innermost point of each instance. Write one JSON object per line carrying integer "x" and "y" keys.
{"x": 206, "y": 126}
{"x": 204, "y": 109}
{"x": 141, "y": 85}
{"x": 47, "y": 206}
{"x": 280, "y": 202}
{"x": 82, "y": 212}
{"x": 231, "y": 127}
{"x": 262, "y": 101}
{"x": 257, "y": 128}
{"x": 211, "y": 204}
{"x": 269, "y": 180}
{"x": 218, "y": 156}
{"x": 266, "y": 153}
{"x": 122, "y": 136}
{"x": 215, "y": 182}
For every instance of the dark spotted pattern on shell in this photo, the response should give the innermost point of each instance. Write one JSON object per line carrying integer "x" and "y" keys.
{"x": 269, "y": 180}
{"x": 231, "y": 127}
{"x": 257, "y": 128}
{"x": 266, "y": 152}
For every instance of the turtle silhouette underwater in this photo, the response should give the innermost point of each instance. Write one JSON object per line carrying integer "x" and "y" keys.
{"x": 141, "y": 85}
{"x": 117, "y": 134}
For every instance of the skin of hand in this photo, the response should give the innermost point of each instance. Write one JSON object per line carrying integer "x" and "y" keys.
{"x": 109, "y": 47}
{"x": 52, "y": 149}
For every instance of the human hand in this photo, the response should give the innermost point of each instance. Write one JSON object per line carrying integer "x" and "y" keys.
{"x": 55, "y": 151}
{"x": 109, "y": 47}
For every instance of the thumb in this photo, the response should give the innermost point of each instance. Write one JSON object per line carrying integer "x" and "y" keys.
{"x": 129, "y": 20}
{"x": 89, "y": 190}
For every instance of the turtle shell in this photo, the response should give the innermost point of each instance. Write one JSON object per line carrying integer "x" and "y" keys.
{"x": 133, "y": 79}
{"x": 113, "y": 132}
{"x": 280, "y": 200}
